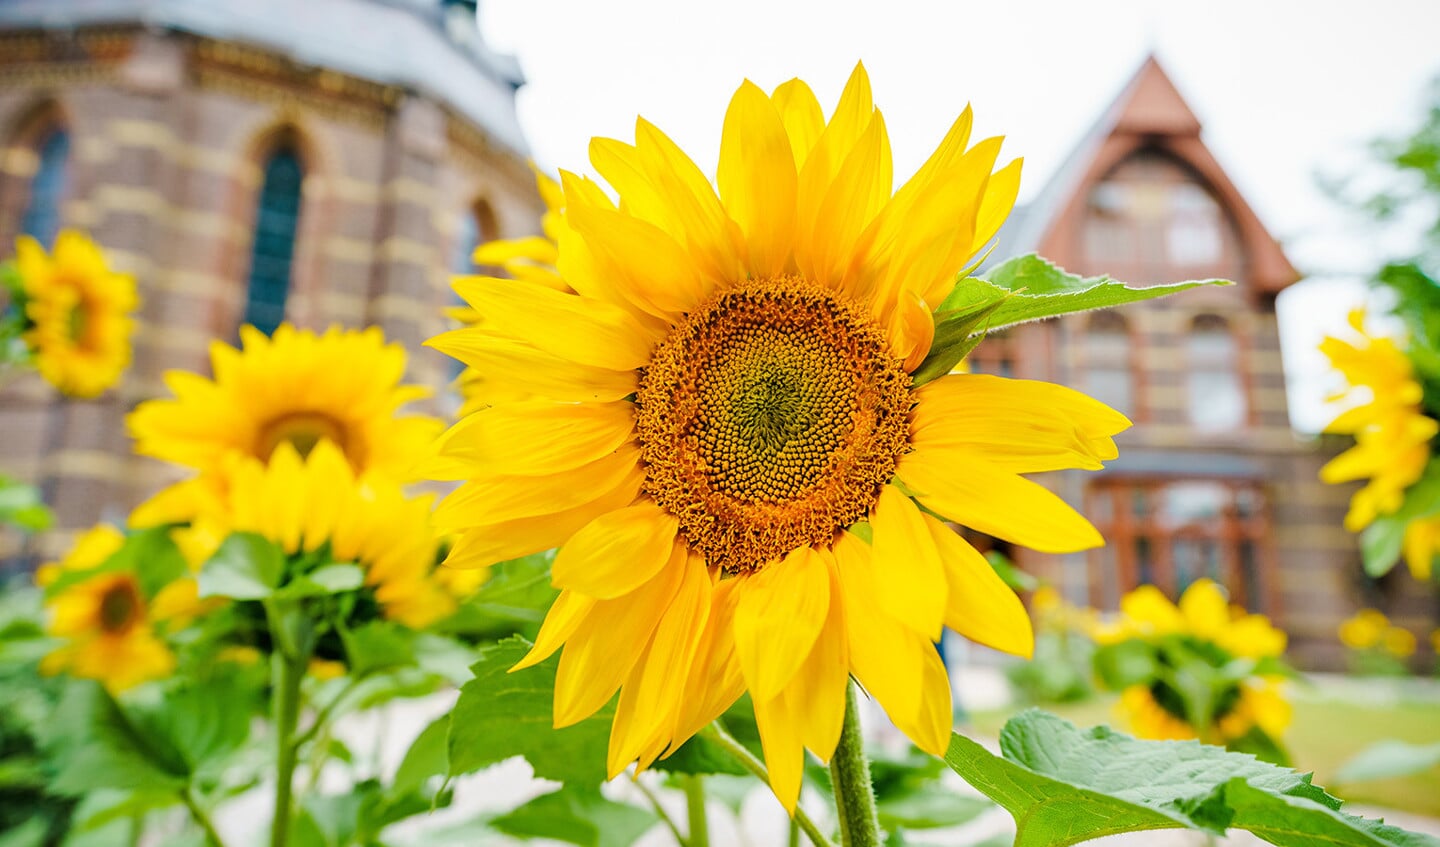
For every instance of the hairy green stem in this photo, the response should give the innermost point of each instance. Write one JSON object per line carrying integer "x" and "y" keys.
{"x": 695, "y": 806}
{"x": 197, "y": 814}
{"x": 290, "y": 671}
{"x": 850, "y": 779}
{"x": 715, "y": 732}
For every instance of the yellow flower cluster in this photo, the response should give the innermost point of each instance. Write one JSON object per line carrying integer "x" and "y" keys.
{"x": 1203, "y": 619}
{"x": 1392, "y": 436}
{"x": 77, "y": 311}
{"x": 1370, "y": 629}
{"x": 110, "y": 629}
{"x": 298, "y": 438}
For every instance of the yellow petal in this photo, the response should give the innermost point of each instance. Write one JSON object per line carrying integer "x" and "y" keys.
{"x": 885, "y": 655}
{"x": 981, "y": 606}
{"x": 930, "y": 727}
{"x": 603, "y": 649}
{"x": 1205, "y": 608}
{"x": 781, "y": 740}
{"x": 495, "y": 499}
{"x": 657, "y": 273}
{"x": 757, "y": 179}
{"x": 565, "y": 616}
{"x": 617, "y": 552}
{"x": 996, "y": 502}
{"x": 580, "y": 329}
{"x": 530, "y": 438}
{"x": 779, "y": 615}
{"x": 508, "y": 361}
{"x": 802, "y": 116}
{"x": 817, "y": 693}
{"x": 913, "y": 589}
{"x": 715, "y": 681}
{"x": 828, "y": 242}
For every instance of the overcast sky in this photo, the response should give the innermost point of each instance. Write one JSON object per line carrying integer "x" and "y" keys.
{"x": 1285, "y": 90}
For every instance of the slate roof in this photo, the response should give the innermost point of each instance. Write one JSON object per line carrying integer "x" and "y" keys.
{"x": 408, "y": 43}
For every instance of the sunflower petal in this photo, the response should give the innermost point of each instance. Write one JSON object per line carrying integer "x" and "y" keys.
{"x": 779, "y": 614}
{"x": 981, "y": 606}
{"x": 757, "y": 179}
{"x": 617, "y": 552}
{"x": 913, "y": 590}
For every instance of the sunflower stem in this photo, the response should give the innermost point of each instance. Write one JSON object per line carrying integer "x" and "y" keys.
{"x": 742, "y": 755}
{"x": 293, "y": 636}
{"x": 695, "y": 805}
{"x": 201, "y": 818}
{"x": 850, "y": 779}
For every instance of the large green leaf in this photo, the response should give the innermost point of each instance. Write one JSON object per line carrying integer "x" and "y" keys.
{"x": 1064, "y": 785}
{"x": 1040, "y": 289}
{"x": 577, "y": 816}
{"x": 502, "y": 714}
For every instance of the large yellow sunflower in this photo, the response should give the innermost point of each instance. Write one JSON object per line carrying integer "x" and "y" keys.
{"x": 295, "y": 388}
{"x": 79, "y": 312}
{"x": 305, "y": 502}
{"x": 106, "y": 621}
{"x": 724, "y": 439}
{"x": 1392, "y": 433}
{"x": 1211, "y": 631}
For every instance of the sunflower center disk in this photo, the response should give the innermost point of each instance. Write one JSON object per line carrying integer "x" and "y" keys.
{"x": 303, "y": 430}
{"x": 769, "y": 419}
{"x": 120, "y": 607}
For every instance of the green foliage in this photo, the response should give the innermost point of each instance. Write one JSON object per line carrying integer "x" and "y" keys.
{"x": 246, "y": 567}
{"x": 1059, "y": 672}
{"x": 1064, "y": 785}
{"x": 1381, "y": 542}
{"x": 577, "y": 815}
{"x": 1019, "y": 290}
{"x": 502, "y": 714}
{"x": 514, "y": 600}
{"x": 21, "y": 506}
{"x": 1389, "y": 759}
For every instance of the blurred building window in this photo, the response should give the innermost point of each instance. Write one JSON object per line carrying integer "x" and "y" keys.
{"x": 41, "y": 217}
{"x": 1171, "y": 533}
{"x": 1108, "y": 361}
{"x": 995, "y": 355}
{"x": 273, "y": 252}
{"x": 1216, "y": 393}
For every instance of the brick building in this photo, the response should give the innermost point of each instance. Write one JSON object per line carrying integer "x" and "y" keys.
{"x": 328, "y": 161}
{"x": 1211, "y": 480}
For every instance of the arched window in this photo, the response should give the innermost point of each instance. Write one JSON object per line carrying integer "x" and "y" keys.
{"x": 273, "y": 250}
{"x": 41, "y": 218}
{"x": 1216, "y": 394}
{"x": 1109, "y": 376}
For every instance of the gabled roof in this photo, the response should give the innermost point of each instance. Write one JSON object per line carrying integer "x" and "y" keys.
{"x": 408, "y": 43}
{"x": 1149, "y": 111}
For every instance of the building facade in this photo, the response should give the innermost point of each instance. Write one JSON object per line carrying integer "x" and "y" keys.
{"x": 326, "y": 162}
{"x": 1211, "y": 480}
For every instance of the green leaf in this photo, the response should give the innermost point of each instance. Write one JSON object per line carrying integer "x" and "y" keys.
{"x": 959, "y": 324}
{"x": 1125, "y": 664}
{"x": 700, "y": 755}
{"x": 502, "y": 714}
{"x": 1040, "y": 289}
{"x": 1064, "y": 785}
{"x": 1388, "y": 759}
{"x": 577, "y": 816}
{"x": 94, "y": 745}
{"x": 427, "y": 757}
{"x": 331, "y": 579}
{"x": 246, "y": 567}
{"x": 1381, "y": 542}
{"x": 22, "y": 507}
{"x": 378, "y": 646}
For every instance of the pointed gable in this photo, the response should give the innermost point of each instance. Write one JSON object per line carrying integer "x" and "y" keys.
{"x": 1148, "y": 114}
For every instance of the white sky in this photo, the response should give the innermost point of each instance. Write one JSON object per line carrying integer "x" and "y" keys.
{"x": 1286, "y": 90}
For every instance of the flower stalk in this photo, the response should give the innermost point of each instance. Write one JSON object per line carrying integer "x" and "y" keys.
{"x": 699, "y": 830}
{"x": 716, "y": 733}
{"x": 293, "y": 637}
{"x": 850, "y": 780}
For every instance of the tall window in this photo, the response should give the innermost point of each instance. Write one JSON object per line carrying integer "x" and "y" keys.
{"x": 42, "y": 213}
{"x": 1152, "y": 214}
{"x": 1109, "y": 376}
{"x": 477, "y": 226}
{"x": 1170, "y": 534}
{"x": 1216, "y": 394}
{"x": 273, "y": 253}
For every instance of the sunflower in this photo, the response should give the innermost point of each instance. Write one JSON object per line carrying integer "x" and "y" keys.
{"x": 1204, "y": 628}
{"x": 1392, "y": 433}
{"x": 305, "y": 503}
{"x": 78, "y": 311}
{"x": 1364, "y": 629}
{"x": 724, "y": 439}
{"x": 107, "y": 622}
{"x": 296, "y": 388}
